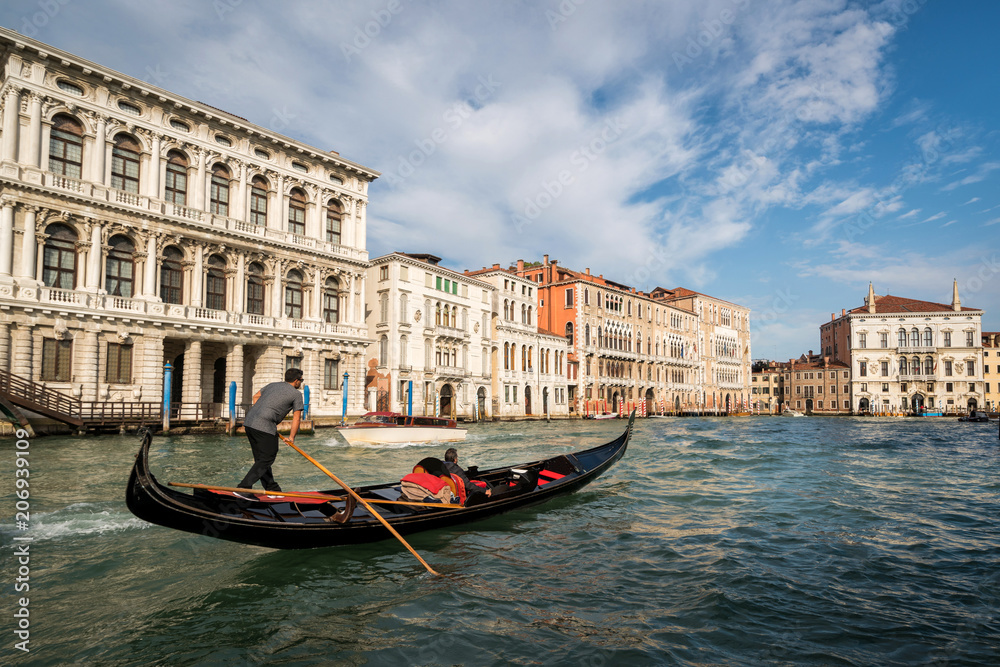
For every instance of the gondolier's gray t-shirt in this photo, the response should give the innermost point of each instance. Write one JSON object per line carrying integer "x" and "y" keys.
{"x": 276, "y": 400}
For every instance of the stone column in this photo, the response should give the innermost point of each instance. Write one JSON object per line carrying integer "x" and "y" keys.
{"x": 149, "y": 279}
{"x": 11, "y": 124}
{"x": 199, "y": 182}
{"x": 28, "y": 251}
{"x": 347, "y": 222}
{"x": 276, "y": 205}
{"x": 359, "y": 301}
{"x": 277, "y": 294}
{"x": 154, "y": 166}
{"x": 359, "y": 241}
{"x": 234, "y": 371}
{"x": 191, "y": 386}
{"x": 148, "y": 364}
{"x": 85, "y": 364}
{"x": 239, "y": 298}
{"x": 100, "y": 149}
{"x": 4, "y": 346}
{"x": 94, "y": 258}
{"x": 197, "y": 275}
{"x": 348, "y": 314}
{"x": 238, "y": 203}
{"x": 34, "y": 130}
{"x": 6, "y": 240}
{"x": 21, "y": 357}
{"x": 317, "y": 296}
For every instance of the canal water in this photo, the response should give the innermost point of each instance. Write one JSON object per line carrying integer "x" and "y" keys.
{"x": 747, "y": 541}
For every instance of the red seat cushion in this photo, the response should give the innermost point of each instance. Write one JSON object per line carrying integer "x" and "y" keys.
{"x": 549, "y": 476}
{"x": 426, "y": 480}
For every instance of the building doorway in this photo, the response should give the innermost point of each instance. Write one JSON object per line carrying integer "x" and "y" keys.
{"x": 447, "y": 402}
{"x": 918, "y": 403}
{"x": 864, "y": 406}
{"x": 527, "y": 400}
{"x": 809, "y": 406}
{"x": 973, "y": 405}
{"x": 545, "y": 401}
{"x": 219, "y": 381}
{"x": 481, "y": 400}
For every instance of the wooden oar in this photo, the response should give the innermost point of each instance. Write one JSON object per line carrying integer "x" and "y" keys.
{"x": 363, "y": 502}
{"x": 293, "y": 494}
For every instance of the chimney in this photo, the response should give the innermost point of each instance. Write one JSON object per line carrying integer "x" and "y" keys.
{"x": 956, "y": 303}
{"x": 496, "y": 266}
{"x": 833, "y": 316}
{"x": 843, "y": 312}
{"x": 826, "y": 362}
{"x": 545, "y": 259}
{"x": 587, "y": 270}
{"x": 520, "y": 265}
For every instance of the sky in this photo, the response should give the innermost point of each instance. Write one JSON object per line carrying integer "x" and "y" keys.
{"x": 779, "y": 154}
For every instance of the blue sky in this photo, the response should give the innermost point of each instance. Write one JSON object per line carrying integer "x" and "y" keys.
{"x": 776, "y": 154}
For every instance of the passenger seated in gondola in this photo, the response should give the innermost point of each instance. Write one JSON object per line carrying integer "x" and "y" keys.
{"x": 476, "y": 491}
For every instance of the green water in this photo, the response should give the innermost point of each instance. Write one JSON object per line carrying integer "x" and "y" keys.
{"x": 713, "y": 542}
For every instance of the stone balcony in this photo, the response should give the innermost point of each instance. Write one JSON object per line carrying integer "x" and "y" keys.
{"x": 50, "y": 298}
{"x": 197, "y": 218}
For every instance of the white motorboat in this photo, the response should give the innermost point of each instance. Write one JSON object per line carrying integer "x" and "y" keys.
{"x": 394, "y": 428}
{"x": 791, "y": 413}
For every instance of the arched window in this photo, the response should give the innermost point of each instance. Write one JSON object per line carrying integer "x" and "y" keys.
{"x": 506, "y": 356}
{"x": 219, "y": 196}
{"x": 428, "y": 357}
{"x": 334, "y": 215}
{"x": 928, "y": 366}
{"x": 66, "y": 147}
{"x": 383, "y": 307}
{"x": 524, "y": 357}
{"x": 524, "y": 314}
{"x": 402, "y": 307}
{"x": 215, "y": 285}
{"x": 586, "y": 334}
{"x": 914, "y": 337}
{"x": 402, "y": 350}
{"x": 569, "y": 333}
{"x": 125, "y": 164}
{"x": 529, "y": 314}
{"x": 255, "y": 289}
{"x": 293, "y": 295}
{"x": 258, "y": 201}
{"x": 172, "y": 276}
{"x": 915, "y": 365}
{"x": 175, "y": 187}
{"x": 297, "y": 212}
{"x": 928, "y": 337}
{"x": 59, "y": 257}
{"x": 331, "y": 301}
{"x": 437, "y": 314}
{"x": 901, "y": 334}
{"x": 383, "y": 350}
{"x": 903, "y": 366}
{"x": 119, "y": 269}
{"x": 530, "y": 365}
{"x": 486, "y": 325}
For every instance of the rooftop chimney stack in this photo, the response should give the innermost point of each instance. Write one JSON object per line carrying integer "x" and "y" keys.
{"x": 520, "y": 265}
{"x": 545, "y": 259}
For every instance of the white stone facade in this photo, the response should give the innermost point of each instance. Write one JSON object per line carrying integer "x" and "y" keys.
{"x": 430, "y": 326}
{"x": 138, "y": 228}
{"x": 529, "y": 365}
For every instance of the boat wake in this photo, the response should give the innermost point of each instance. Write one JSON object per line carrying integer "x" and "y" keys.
{"x": 76, "y": 520}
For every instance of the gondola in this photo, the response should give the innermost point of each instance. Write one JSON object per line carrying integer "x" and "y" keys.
{"x": 305, "y": 523}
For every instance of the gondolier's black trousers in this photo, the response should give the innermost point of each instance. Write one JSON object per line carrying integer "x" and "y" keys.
{"x": 265, "y": 450}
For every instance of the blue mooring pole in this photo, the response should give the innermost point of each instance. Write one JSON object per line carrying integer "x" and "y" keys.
{"x": 305, "y": 401}
{"x": 232, "y": 407}
{"x": 409, "y": 399}
{"x": 168, "y": 371}
{"x": 343, "y": 414}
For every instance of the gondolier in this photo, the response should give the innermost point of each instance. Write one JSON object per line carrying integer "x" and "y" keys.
{"x": 270, "y": 406}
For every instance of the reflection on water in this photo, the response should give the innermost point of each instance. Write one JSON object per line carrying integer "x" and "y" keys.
{"x": 714, "y": 541}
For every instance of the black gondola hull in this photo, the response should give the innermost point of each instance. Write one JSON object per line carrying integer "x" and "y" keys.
{"x": 286, "y": 525}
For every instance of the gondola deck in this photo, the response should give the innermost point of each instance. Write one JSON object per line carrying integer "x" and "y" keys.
{"x": 297, "y": 523}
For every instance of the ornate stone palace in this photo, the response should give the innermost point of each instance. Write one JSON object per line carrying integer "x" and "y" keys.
{"x": 139, "y": 228}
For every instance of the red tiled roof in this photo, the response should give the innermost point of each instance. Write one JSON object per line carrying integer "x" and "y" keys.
{"x": 899, "y": 304}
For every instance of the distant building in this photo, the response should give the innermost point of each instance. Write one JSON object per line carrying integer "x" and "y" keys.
{"x": 991, "y": 370}
{"x": 431, "y": 327}
{"x": 530, "y": 366}
{"x": 818, "y": 385}
{"x": 768, "y": 385}
{"x": 909, "y": 355}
